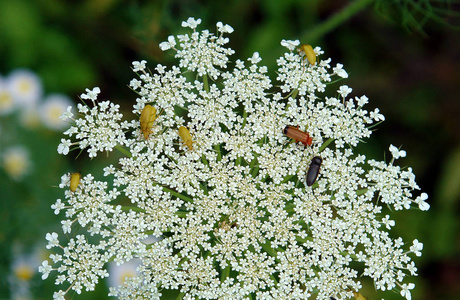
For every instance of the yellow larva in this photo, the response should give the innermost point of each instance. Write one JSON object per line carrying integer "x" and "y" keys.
{"x": 74, "y": 181}
{"x": 309, "y": 53}
{"x": 148, "y": 116}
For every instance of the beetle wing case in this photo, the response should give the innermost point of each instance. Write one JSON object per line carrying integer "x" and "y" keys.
{"x": 313, "y": 171}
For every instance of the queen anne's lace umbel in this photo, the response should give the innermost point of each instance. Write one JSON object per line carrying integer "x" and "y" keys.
{"x": 232, "y": 215}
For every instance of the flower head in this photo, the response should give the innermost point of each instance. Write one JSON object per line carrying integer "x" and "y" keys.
{"x": 6, "y": 99}
{"x": 223, "y": 189}
{"x": 25, "y": 86}
{"x": 16, "y": 162}
{"x": 98, "y": 128}
{"x": 202, "y": 52}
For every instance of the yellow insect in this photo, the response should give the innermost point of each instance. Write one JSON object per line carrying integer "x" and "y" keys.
{"x": 358, "y": 296}
{"x": 74, "y": 181}
{"x": 148, "y": 116}
{"x": 309, "y": 53}
{"x": 186, "y": 137}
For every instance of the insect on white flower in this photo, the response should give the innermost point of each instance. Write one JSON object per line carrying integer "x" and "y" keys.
{"x": 216, "y": 181}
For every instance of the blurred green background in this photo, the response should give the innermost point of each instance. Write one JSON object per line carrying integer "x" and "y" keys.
{"x": 405, "y": 57}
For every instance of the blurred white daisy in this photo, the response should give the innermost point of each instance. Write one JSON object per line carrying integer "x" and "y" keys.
{"x": 23, "y": 267}
{"x": 118, "y": 273}
{"x": 52, "y": 108}
{"x": 25, "y": 86}
{"x": 16, "y": 162}
{"x": 6, "y": 99}
{"x": 29, "y": 117}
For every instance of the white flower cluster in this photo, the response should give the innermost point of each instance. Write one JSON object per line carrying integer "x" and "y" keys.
{"x": 99, "y": 130}
{"x": 223, "y": 189}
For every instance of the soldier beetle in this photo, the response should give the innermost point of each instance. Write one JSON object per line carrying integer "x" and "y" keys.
{"x": 298, "y": 135}
{"x": 309, "y": 53}
{"x": 184, "y": 133}
{"x": 358, "y": 296}
{"x": 148, "y": 116}
{"x": 74, "y": 181}
{"x": 313, "y": 171}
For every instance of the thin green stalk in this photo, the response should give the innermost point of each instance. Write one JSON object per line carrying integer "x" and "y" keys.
{"x": 335, "y": 21}
{"x": 238, "y": 161}
{"x": 181, "y": 214}
{"x": 254, "y": 166}
{"x": 219, "y": 153}
{"x": 325, "y": 144}
{"x": 205, "y": 83}
{"x": 178, "y": 195}
{"x": 225, "y": 273}
{"x": 204, "y": 160}
{"x": 294, "y": 93}
{"x": 123, "y": 150}
{"x": 270, "y": 251}
{"x": 133, "y": 208}
{"x": 361, "y": 192}
{"x": 245, "y": 115}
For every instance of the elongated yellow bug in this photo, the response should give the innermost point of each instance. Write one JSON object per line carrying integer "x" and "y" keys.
{"x": 148, "y": 116}
{"x": 309, "y": 53}
{"x": 186, "y": 137}
{"x": 74, "y": 181}
{"x": 358, "y": 296}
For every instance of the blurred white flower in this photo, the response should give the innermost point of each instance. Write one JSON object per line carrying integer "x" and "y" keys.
{"x": 118, "y": 273}
{"x": 7, "y": 104}
{"x": 25, "y": 86}
{"x": 16, "y": 162}
{"x": 29, "y": 116}
{"x": 52, "y": 108}
{"x": 23, "y": 267}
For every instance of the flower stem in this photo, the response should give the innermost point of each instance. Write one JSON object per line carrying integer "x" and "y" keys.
{"x": 270, "y": 251}
{"x": 123, "y": 150}
{"x": 219, "y": 152}
{"x": 181, "y": 214}
{"x": 225, "y": 273}
{"x": 335, "y": 21}
{"x": 294, "y": 93}
{"x": 133, "y": 208}
{"x": 245, "y": 115}
{"x": 178, "y": 195}
{"x": 325, "y": 144}
{"x": 205, "y": 83}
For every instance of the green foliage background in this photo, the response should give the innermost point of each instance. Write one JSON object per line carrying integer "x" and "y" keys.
{"x": 404, "y": 55}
